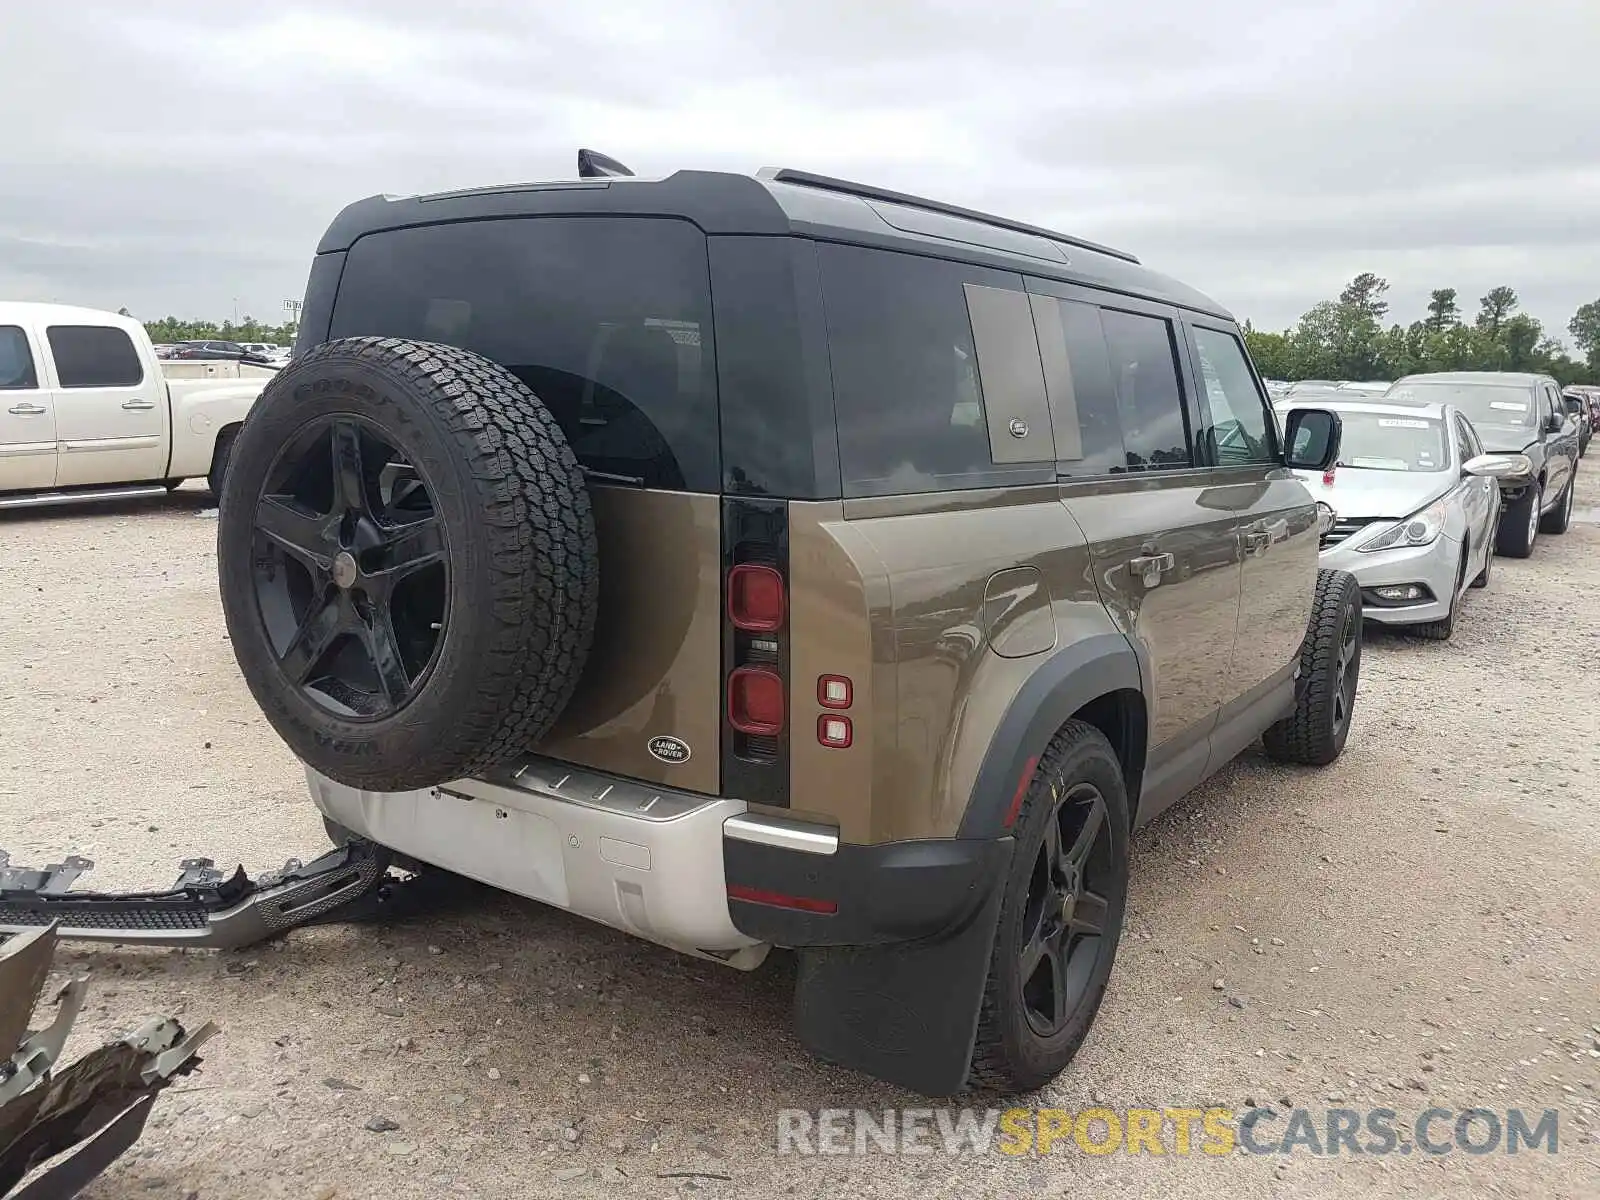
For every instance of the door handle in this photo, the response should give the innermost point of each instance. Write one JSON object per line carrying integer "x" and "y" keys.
{"x": 1150, "y": 567}
{"x": 25, "y": 409}
{"x": 134, "y": 405}
{"x": 1257, "y": 542}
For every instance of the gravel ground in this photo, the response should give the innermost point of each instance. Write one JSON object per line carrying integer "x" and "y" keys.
{"x": 1414, "y": 926}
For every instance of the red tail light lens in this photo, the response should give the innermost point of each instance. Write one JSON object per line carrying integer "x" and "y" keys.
{"x": 756, "y": 702}
{"x": 755, "y": 598}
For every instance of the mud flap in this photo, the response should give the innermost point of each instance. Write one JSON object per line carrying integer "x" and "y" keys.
{"x": 906, "y": 1012}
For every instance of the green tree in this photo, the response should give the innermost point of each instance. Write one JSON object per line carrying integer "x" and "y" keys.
{"x": 1364, "y": 295}
{"x": 1519, "y": 340}
{"x": 1273, "y": 353}
{"x": 1443, "y": 311}
{"x": 1494, "y": 308}
{"x": 1585, "y": 330}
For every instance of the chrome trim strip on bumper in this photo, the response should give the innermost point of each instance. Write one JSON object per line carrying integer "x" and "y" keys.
{"x": 784, "y": 833}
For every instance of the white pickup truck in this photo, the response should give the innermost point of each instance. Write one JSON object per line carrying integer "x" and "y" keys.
{"x": 87, "y": 413}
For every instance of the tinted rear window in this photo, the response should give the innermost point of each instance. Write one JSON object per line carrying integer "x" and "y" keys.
{"x": 94, "y": 356}
{"x": 607, "y": 320}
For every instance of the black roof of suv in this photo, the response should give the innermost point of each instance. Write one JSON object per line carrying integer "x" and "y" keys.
{"x": 788, "y": 203}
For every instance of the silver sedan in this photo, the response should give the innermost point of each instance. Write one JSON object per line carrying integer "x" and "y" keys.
{"x": 1415, "y": 505}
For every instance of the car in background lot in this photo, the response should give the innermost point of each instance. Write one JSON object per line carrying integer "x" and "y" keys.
{"x": 86, "y": 412}
{"x": 1415, "y": 509}
{"x": 1591, "y": 396}
{"x": 1370, "y": 387}
{"x": 209, "y": 348}
{"x": 1580, "y": 407}
{"x": 1513, "y": 413}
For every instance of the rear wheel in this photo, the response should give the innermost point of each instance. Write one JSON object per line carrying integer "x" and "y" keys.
{"x": 1330, "y": 668}
{"x": 1060, "y": 918}
{"x": 408, "y": 562}
{"x": 1519, "y": 524}
{"x": 219, "y": 461}
{"x": 1559, "y": 518}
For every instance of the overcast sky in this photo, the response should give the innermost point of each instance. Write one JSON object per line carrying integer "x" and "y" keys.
{"x": 172, "y": 156}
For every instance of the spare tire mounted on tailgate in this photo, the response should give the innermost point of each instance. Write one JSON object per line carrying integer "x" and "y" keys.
{"x": 408, "y": 562}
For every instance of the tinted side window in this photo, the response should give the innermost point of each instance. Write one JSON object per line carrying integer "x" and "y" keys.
{"x": 1236, "y": 429}
{"x": 94, "y": 356}
{"x": 607, "y": 320}
{"x": 906, "y": 380}
{"x": 1144, "y": 373}
{"x": 1083, "y": 398}
{"x": 16, "y": 360}
{"x": 1470, "y": 446}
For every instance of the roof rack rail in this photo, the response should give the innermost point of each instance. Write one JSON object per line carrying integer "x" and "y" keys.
{"x": 869, "y": 192}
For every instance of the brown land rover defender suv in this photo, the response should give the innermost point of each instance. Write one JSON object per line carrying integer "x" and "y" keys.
{"x": 779, "y": 561}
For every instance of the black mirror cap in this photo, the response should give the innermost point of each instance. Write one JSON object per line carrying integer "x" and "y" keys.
{"x": 1311, "y": 439}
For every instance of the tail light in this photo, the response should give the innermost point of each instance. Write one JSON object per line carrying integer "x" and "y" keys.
{"x": 755, "y": 650}
{"x": 756, "y": 704}
{"x": 756, "y": 600}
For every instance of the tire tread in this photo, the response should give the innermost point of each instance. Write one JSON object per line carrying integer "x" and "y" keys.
{"x": 1306, "y": 735}
{"x": 530, "y": 505}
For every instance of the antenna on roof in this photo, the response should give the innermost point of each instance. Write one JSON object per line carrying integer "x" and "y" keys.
{"x": 594, "y": 165}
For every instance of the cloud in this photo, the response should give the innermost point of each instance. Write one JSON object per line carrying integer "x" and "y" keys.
{"x": 175, "y": 156}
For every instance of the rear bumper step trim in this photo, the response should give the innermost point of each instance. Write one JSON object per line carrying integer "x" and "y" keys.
{"x": 204, "y": 908}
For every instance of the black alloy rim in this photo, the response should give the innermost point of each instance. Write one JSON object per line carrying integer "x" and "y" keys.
{"x": 351, "y": 576}
{"x": 1066, "y": 914}
{"x": 1344, "y": 694}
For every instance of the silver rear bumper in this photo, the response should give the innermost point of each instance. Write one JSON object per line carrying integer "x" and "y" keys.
{"x": 643, "y": 859}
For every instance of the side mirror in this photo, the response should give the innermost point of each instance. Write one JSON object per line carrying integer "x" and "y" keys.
{"x": 1311, "y": 439}
{"x": 1553, "y": 423}
{"x": 1498, "y": 466}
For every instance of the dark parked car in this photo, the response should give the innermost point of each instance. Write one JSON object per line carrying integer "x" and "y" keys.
{"x": 1514, "y": 413}
{"x": 209, "y": 349}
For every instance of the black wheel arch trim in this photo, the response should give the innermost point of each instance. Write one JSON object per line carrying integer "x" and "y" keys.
{"x": 1073, "y": 677}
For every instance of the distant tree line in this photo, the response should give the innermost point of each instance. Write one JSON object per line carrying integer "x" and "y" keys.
{"x": 171, "y": 329}
{"x": 1347, "y": 339}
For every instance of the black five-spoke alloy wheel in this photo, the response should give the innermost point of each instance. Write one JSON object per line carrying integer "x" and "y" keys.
{"x": 1064, "y": 919}
{"x": 350, "y": 568}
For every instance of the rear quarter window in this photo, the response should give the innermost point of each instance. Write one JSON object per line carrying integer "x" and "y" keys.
{"x": 908, "y": 389}
{"x": 607, "y": 320}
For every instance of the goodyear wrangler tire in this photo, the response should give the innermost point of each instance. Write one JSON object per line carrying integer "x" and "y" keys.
{"x": 408, "y": 562}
